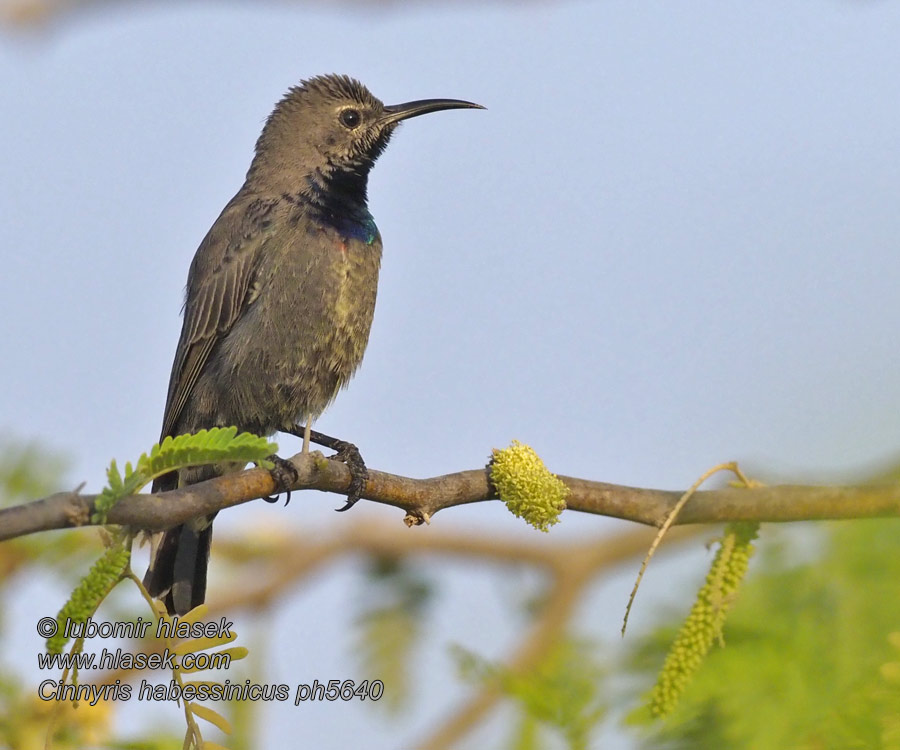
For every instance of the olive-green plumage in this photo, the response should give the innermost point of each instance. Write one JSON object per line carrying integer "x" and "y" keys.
{"x": 280, "y": 294}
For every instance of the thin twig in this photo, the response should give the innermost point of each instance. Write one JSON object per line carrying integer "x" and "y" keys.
{"x": 670, "y": 519}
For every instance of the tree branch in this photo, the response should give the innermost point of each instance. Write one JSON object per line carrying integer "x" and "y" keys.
{"x": 422, "y": 498}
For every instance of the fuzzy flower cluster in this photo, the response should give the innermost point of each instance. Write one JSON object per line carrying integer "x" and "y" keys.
{"x": 704, "y": 624}
{"x": 528, "y": 488}
{"x": 93, "y": 588}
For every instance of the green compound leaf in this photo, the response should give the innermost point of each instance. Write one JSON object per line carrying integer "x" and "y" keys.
{"x": 218, "y": 445}
{"x": 93, "y": 589}
{"x": 704, "y": 624}
{"x": 528, "y": 488}
{"x": 213, "y": 717}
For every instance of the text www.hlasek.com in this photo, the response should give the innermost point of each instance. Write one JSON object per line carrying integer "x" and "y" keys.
{"x": 119, "y": 659}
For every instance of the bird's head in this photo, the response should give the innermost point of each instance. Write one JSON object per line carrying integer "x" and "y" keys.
{"x": 332, "y": 127}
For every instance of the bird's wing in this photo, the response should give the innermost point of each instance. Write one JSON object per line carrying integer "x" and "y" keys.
{"x": 221, "y": 275}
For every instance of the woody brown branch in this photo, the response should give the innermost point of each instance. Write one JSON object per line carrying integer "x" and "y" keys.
{"x": 422, "y": 498}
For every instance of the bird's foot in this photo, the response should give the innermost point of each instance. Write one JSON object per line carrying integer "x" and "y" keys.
{"x": 348, "y": 454}
{"x": 284, "y": 475}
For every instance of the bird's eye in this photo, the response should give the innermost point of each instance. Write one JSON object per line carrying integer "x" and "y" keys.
{"x": 350, "y": 118}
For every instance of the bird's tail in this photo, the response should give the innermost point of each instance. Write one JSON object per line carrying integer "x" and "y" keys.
{"x": 177, "y": 572}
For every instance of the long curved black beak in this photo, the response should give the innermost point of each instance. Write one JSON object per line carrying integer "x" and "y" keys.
{"x": 397, "y": 112}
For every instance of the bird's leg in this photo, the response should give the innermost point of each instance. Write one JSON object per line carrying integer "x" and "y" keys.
{"x": 307, "y": 433}
{"x": 284, "y": 475}
{"x": 346, "y": 453}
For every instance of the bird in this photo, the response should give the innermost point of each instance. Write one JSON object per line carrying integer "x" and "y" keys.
{"x": 280, "y": 298}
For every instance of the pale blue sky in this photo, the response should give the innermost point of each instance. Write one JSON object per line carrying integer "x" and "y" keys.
{"x": 669, "y": 241}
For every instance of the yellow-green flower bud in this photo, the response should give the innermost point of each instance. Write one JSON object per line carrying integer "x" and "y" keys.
{"x": 528, "y": 488}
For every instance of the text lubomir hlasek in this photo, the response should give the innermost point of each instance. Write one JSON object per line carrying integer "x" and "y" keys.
{"x": 173, "y": 628}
